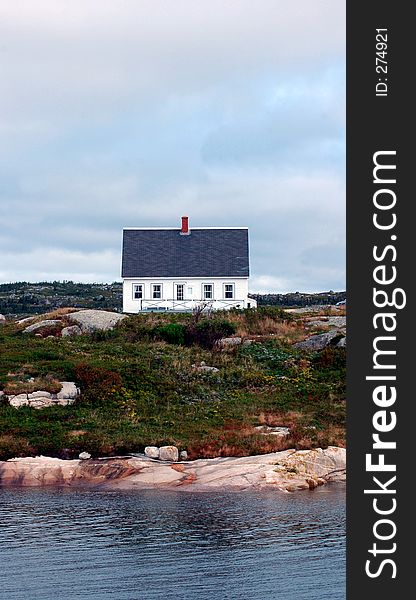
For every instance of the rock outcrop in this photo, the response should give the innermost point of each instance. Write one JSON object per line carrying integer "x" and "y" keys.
{"x": 334, "y": 322}
{"x": 334, "y": 337}
{"x": 46, "y": 471}
{"x": 151, "y": 451}
{"x": 169, "y": 453}
{"x": 95, "y": 320}
{"x": 289, "y": 470}
{"x": 47, "y": 324}
{"x": 42, "y": 399}
{"x": 71, "y": 331}
{"x": 320, "y": 341}
{"x": 74, "y": 323}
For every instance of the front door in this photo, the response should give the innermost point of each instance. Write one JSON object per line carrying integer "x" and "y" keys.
{"x": 179, "y": 291}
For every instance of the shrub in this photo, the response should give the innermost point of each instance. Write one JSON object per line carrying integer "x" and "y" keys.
{"x": 97, "y": 385}
{"x": 173, "y": 333}
{"x": 12, "y": 446}
{"x": 207, "y": 332}
{"x": 330, "y": 358}
{"x": 104, "y": 335}
{"x": 135, "y": 328}
{"x": 50, "y": 330}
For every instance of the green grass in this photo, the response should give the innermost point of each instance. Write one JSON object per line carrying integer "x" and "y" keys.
{"x": 139, "y": 391}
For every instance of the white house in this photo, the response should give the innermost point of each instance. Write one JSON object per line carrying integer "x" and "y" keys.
{"x": 177, "y": 269}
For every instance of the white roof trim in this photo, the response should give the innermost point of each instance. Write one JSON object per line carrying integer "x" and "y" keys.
{"x": 175, "y": 228}
{"x": 186, "y": 279}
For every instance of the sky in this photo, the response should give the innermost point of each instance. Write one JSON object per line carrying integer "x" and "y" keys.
{"x": 132, "y": 113}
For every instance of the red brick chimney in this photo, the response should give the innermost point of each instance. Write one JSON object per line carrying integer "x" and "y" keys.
{"x": 185, "y": 226}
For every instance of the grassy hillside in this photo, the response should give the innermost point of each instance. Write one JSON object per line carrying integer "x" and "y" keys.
{"x": 139, "y": 389}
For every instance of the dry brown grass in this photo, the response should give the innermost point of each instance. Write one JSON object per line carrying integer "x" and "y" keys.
{"x": 236, "y": 439}
{"x": 289, "y": 419}
{"x": 60, "y": 312}
{"x": 265, "y": 327}
{"x": 333, "y": 435}
{"x": 235, "y": 447}
{"x": 301, "y": 435}
{"x": 47, "y": 384}
{"x": 12, "y": 446}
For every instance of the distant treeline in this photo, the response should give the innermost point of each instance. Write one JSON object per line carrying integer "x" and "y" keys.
{"x": 34, "y": 298}
{"x": 25, "y": 298}
{"x": 298, "y": 299}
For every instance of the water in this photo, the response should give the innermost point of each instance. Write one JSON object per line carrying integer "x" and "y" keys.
{"x": 65, "y": 545}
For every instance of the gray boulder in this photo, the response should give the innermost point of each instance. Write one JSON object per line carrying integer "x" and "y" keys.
{"x": 2, "y": 319}
{"x": 204, "y": 367}
{"x": 320, "y": 341}
{"x": 342, "y": 343}
{"x": 68, "y": 390}
{"x": 84, "y": 456}
{"x": 36, "y": 327}
{"x": 41, "y": 402}
{"x": 71, "y": 331}
{"x": 230, "y": 341}
{"x": 39, "y": 394}
{"x": 183, "y": 455}
{"x": 334, "y": 322}
{"x": 277, "y": 431}
{"x": 25, "y": 320}
{"x": 95, "y": 320}
{"x": 208, "y": 369}
{"x": 169, "y": 453}
{"x": 18, "y": 400}
{"x": 152, "y": 451}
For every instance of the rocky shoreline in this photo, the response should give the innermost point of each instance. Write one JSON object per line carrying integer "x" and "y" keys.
{"x": 287, "y": 471}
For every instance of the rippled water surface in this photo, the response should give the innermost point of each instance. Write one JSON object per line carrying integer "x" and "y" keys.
{"x": 60, "y": 544}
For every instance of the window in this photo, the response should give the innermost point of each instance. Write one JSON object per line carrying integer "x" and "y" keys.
{"x": 179, "y": 291}
{"x": 228, "y": 291}
{"x": 156, "y": 291}
{"x": 137, "y": 291}
{"x": 208, "y": 291}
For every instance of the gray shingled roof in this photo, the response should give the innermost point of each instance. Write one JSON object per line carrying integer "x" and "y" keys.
{"x": 202, "y": 253}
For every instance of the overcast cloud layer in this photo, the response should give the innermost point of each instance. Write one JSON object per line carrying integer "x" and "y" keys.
{"x": 135, "y": 112}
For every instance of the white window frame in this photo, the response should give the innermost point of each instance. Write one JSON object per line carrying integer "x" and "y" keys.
{"x": 160, "y": 285}
{"x": 137, "y": 285}
{"x": 204, "y": 297}
{"x": 225, "y": 292}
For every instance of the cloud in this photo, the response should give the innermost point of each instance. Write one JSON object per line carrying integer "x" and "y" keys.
{"x": 133, "y": 113}
{"x": 54, "y": 264}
